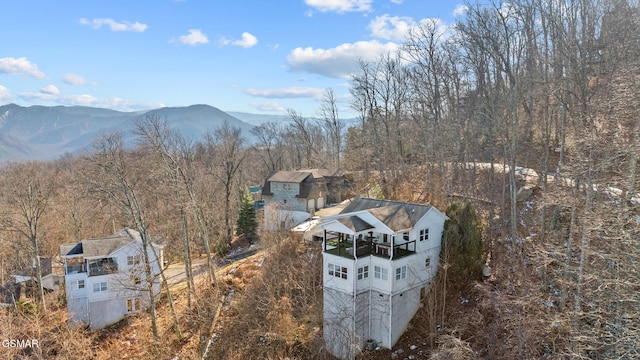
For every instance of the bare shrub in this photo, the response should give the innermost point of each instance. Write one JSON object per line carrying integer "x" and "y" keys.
{"x": 277, "y": 311}
{"x": 452, "y": 348}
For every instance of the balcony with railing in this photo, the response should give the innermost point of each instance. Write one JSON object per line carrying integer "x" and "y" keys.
{"x": 103, "y": 266}
{"x": 75, "y": 265}
{"x": 380, "y": 245}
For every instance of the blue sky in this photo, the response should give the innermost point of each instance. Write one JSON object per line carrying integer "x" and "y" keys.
{"x": 253, "y": 56}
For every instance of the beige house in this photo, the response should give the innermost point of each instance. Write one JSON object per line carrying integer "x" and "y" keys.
{"x": 298, "y": 190}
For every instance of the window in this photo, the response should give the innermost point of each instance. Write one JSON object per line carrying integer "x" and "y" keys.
{"x": 80, "y": 284}
{"x": 381, "y": 273}
{"x": 363, "y": 272}
{"x": 424, "y": 234}
{"x": 427, "y": 262}
{"x": 405, "y": 236}
{"x": 401, "y": 273}
{"x": 133, "y": 260}
{"x": 277, "y": 186}
{"x": 100, "y": 287}
{"x": 133, "y": 305}
{"x": 338, "y": 271}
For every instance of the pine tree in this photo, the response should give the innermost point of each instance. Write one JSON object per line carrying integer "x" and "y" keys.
{"x": 463, "y": 243}
{"x": 247, "y": 224}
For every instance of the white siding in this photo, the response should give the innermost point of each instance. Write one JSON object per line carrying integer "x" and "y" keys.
{"x": 338, "y": 283}
{"x": 376, "y": 308}
{"x": 103, "y": 308}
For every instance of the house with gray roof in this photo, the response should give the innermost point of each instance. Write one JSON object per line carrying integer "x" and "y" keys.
{"x": 298, "y": 190}
{"x": 379, "y": 257}
{"x": 105, "y": 278}
{"x": 51, "y": 275}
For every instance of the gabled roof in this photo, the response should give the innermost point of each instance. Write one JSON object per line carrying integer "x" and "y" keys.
{"x": 289, "y": 176}
{"x": 394, "y": 214}
{"x": 317, "y": 173}
{"x": 101, "y": 246}
{"x": 355, "y": 223}
{"x": 306, "y": 179}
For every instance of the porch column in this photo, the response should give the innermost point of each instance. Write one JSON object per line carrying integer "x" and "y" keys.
{"x": 324, "y": 239}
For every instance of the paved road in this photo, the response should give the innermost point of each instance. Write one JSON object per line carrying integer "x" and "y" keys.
{"x": 176, "y": 273}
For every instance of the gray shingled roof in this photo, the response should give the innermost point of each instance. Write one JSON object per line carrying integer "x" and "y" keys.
{"x": 323, "y": 172}
{"x": 289, "y": 176}
{"x": 45, "y": 266}
{"x": 394, "y": 214}
{"x": 100, "y": 246}
{"x": 71, "y": 249}
{"x": 355, "y": 223}
{"x": 103, "y": 246}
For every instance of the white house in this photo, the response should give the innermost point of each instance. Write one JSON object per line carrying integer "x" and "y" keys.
{"x": 105, "y": 278}
{"x": 379, "y": 258}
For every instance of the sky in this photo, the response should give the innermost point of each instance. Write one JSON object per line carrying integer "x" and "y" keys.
{"x": 253, "y": 56}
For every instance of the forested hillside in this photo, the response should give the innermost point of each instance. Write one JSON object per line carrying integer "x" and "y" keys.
{"x": 551, "y": 86}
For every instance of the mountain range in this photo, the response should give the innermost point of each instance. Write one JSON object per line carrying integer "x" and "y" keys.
{"x": 47, "y": 132}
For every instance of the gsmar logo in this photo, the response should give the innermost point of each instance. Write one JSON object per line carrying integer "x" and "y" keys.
{"x": 24, "y": 343}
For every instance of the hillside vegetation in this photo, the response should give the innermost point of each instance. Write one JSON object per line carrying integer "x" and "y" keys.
{"x": 548, "y": 86}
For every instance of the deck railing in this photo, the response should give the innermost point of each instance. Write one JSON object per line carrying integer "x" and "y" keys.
{"x": 365, "y": 248}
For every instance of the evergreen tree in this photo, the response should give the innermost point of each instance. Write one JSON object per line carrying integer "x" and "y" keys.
{"x": 463, "y": 246}
{"x": 247, "y": 224}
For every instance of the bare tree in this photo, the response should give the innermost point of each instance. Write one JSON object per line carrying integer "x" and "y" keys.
{"x": 110, "y": 174}
{"x": 228, "y": 153}
{"x": 27, "y": 189}
{"x": 270, "y": 144}
{"x": 332, "y": 125}
{"x": 164, "y": 143}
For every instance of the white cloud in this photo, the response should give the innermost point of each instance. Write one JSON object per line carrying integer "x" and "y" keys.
{"x": 268, "y": 106}
{"x": 340, "y": 6}
{"x": 287, "y": 93}
{"x": 114, "y": 25}
{"x": 398, "y": 27}
{"x": 195, "y": 37}
{"x": 397, "y": 1}
{"x": 20, "y": 66}
{"x": 88, "y": 100}
{"x": 51, "y": 90}
{"x": 338, "y": 62}
{"x": 391, "y": 27}
{"x": 5, "y": 95}
{"x": 246, "y": 41}
{"x": 460, "y": 10}
{"x": 73, "y": 79}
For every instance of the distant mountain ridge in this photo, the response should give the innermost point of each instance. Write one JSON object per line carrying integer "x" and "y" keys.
{"x": 47, "y": 132}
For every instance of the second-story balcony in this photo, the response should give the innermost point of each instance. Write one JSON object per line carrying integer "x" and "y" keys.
{"x": 102, "y": 266}
{"x": 75, "y": 265}
{"x": 385, "y": 246}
